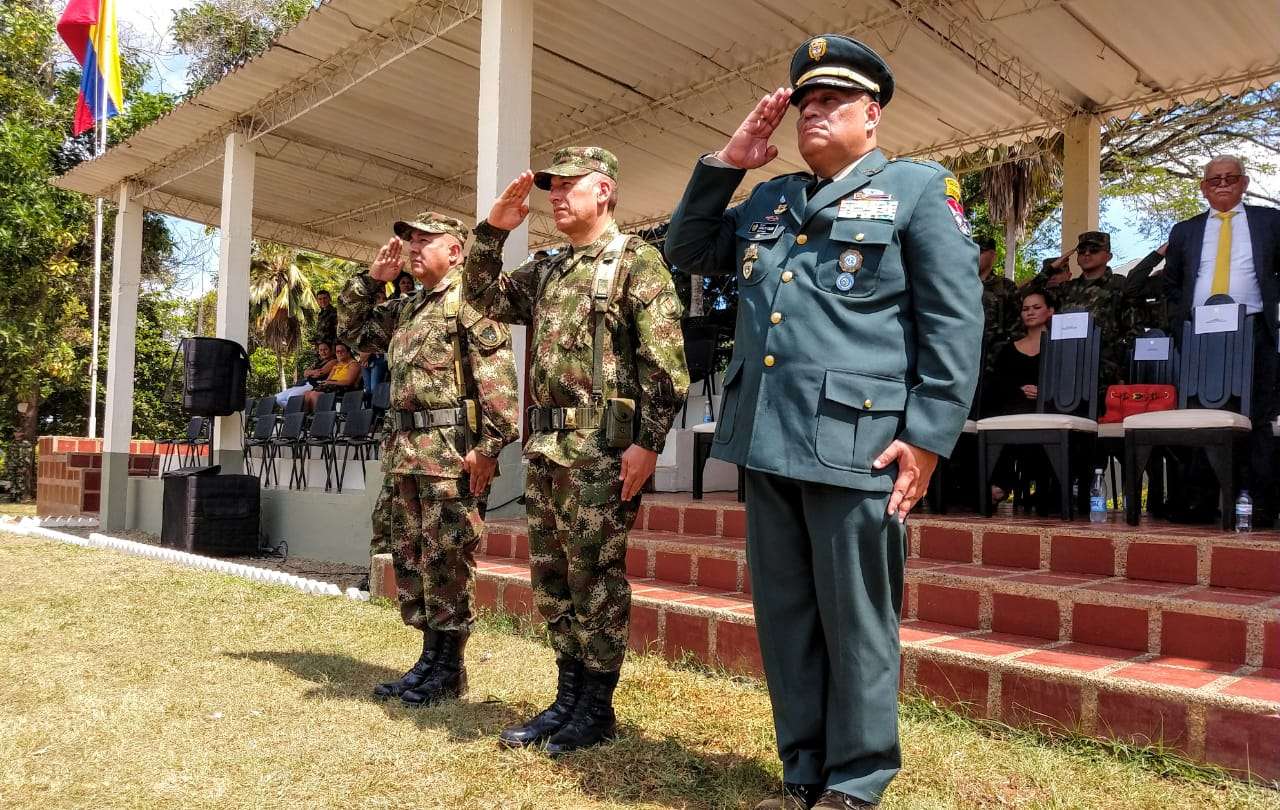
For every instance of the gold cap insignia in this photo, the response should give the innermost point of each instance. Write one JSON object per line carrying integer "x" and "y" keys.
{"x": 817, "y": 49}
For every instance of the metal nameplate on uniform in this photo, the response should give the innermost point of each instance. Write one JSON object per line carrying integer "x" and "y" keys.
{"x": 760, "y": 231}
{"x": 853, "y": 208}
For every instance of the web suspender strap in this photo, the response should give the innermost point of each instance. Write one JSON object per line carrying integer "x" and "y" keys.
{"x": 601, "y": 294}
{"x": 452, "y": 303}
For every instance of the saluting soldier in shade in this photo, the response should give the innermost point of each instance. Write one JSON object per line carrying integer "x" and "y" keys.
{"x": 453, "y": 408}
{"x": 854, "y": 364}
{"x": 607, "y": 376}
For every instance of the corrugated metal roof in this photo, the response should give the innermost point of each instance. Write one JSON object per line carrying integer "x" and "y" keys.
{"x": 659, "y": 82}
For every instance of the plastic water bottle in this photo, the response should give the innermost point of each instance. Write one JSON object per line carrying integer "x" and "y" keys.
{"x": 1097, "y": 498}
{"x": 708, "y": 415}
{"x": 1244, "y": 512}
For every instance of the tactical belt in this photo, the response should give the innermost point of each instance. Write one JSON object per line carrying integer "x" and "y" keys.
{"x": 545, "y": 419}
{"x": 422, "y": 420}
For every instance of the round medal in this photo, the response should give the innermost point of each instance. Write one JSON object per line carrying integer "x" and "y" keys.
{"x": 844, "y": 282}
{"x": 851, "y": 261}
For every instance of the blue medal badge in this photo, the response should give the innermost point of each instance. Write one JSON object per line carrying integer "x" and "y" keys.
{"x": 850, "y": 263}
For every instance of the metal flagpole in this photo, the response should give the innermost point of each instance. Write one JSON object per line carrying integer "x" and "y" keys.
{"x": 100, "y": 138}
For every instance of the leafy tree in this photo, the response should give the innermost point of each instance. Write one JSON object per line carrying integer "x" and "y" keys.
{"x": 221, "y": 35}
{"x": 280, "y": 300}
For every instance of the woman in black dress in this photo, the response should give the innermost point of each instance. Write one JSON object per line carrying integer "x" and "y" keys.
{"x": 1014, "y": 385}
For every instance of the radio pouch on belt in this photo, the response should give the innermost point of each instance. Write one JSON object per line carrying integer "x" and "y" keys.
{"x": 470, "y": 430}
{"x": 619, "y": 421}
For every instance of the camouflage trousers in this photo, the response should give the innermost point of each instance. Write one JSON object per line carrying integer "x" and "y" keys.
{"x": 578, "y": 528}
{"x": 433, "y": 535}
{"x": 380, "y": 542}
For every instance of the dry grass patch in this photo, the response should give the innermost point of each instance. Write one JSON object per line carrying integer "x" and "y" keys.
{"x": 129, "y": 683}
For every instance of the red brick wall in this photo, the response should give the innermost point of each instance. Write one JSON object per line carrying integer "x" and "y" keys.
{"x": 69, "y": 472}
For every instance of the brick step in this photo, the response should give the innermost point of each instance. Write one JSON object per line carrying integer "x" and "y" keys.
{"x": 1226, "y": 624}
{"x": 1217, "y": 712}
{"x": 1163, "y": 553}
{"x": 1229, "y": 625}
{"x": 718, "y": 515}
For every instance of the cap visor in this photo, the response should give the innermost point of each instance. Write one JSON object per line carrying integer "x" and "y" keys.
{"x": 403, "y": 230}
{"x": 825, "y": 81}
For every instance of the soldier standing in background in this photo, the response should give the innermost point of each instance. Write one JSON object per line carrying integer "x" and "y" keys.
{"x": 1000, "y": 302}
{"x": 1108, "y": 298}
{"x": 607, "y": 376}
{"x": 453, "y": 409}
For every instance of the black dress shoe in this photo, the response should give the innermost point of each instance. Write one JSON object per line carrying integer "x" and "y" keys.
{"x": 795, "y": 796}
{"x": 552, "y": 719}
{"x": 835, "y": 800}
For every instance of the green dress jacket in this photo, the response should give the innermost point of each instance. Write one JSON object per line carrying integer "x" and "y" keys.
{"x": 859, "y": 315}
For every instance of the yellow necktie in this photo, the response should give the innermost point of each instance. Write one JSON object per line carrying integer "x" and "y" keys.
{"x": 1222, "y": 265}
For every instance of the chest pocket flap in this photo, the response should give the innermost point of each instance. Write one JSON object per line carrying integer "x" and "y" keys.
{"x": 849, "y": 264}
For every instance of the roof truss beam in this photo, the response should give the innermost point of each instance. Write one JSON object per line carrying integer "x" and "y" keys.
{"x": 407, "y": 32}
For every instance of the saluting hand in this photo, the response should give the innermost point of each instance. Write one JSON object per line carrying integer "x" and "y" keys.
{"x": 915, "y": 468}
{"x": 386, "y": 265}
{"x": 749, "y": 147}
{"x": 512, "y": 205}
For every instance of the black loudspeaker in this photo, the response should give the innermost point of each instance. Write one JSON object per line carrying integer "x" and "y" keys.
{"x": 214, "y": 375}
{"x": 210, "y": 513}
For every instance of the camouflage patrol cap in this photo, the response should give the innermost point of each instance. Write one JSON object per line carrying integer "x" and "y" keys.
{"x": 431, "y": 222}
{"x": 1101, "y": 239}
{"x": 575, "y": 161}
{"x": 834, "y": 60}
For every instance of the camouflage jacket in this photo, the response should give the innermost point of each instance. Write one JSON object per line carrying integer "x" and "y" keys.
{"x": 413, "y": 332}
{"x": 644, "y": 348}
{"x": 1109, "y": 301}
{"x": 326, "y": 326}
{"x": 1001, "y": 311}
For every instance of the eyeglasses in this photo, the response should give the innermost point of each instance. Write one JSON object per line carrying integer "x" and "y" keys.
{"x": 1087, "y": 249}
{"x": 1223, "y": 180}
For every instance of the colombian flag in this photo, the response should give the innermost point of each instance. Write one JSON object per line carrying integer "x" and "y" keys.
{"x": 89, "y": 29}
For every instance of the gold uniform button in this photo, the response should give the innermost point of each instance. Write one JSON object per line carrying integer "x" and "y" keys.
{"x": 776, "y": 317}
{"x": 787, "y": 276}
{"x": 768, "y": 360}
{"x": 859, "y": 237}
{"x": 866, "y": 403}
{"x": 801, "y": 239}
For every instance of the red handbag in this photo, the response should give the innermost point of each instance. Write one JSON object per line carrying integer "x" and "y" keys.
{"x": 1127, "y": 400}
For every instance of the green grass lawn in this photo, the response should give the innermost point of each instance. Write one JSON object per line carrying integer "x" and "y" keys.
{"x": 129, "y": 683}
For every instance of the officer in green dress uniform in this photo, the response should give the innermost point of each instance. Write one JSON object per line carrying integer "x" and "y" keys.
{"x": 855, "y": 360}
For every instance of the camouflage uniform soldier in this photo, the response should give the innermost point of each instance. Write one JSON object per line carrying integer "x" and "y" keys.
{"x": 1106, "y": 296}
{"x": 606, "y": 345}
{"x": 1000, "y": 301}
{"x": 453, "y": 409}
{"x": 1053, "y": 275}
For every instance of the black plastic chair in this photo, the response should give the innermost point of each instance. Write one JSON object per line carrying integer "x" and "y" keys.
{"x": 352, "y": 401}
{"x": 700, "y": 341}
{"x": 263, "y": 408}
{"x": 320, "y": 434}
{"x": 187, "y": 445}
{"x": 263, "y": 430}
{"x": 288, "y": 435}
{"x": 325, "y": 401}
{"x": 1065, "y": 422}
{"x": 1215, "y": 381}
{"x": 294, "y": 404}
{"x": 356, "y": 433}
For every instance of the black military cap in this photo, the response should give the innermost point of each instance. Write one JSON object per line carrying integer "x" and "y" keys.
{"x": 834, "y": 60}
{"x": 1100, "y": 239}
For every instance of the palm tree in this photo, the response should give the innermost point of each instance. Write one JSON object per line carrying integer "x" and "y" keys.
{"x": 280, "y": 300}
{"x": 1021, "y": 175}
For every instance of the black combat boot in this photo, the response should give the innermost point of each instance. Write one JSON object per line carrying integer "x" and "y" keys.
{"x": 416, "y": 675}
{"x": 593, "y": 721}
{"x": 550, "y": 720}
{"x": 448, "y": 678}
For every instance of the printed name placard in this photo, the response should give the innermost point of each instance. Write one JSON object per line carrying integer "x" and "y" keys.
{"x": 1069, "y": 326}
{"x": 1156, "y": 348}
{"x": 1217, "y": 318}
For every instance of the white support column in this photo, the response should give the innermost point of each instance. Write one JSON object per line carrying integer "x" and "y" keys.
{"x": 235, "y": 243}
{"x": 506, "y": 101}
{"x": 1081, "y": 178}
{"x": 126, "y": 272}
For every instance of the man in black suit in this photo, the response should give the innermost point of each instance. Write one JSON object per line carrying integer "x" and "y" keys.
{"x": 1234, "y": 249}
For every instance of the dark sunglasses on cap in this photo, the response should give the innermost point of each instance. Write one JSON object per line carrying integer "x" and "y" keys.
{"x": 1084, "y": 249}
